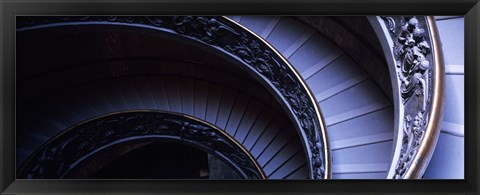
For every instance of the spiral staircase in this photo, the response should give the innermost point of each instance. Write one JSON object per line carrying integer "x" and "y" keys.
{"x": 360, "y": 129}
{"x": 357, "y": 109}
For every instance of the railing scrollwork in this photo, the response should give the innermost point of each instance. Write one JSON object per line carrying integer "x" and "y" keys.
{"x": 419, "y": 71}
{"x": 62, "y": 155}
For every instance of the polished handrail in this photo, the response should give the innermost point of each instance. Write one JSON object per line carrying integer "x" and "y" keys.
{"x": 414, "y": 43}
{"x": 261, "y": 60}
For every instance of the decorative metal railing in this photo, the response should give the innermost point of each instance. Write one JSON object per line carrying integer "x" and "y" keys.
{"x": 260, "y": 59}
{"x": 419, "y": 69}
{"x": 66, "y": 152}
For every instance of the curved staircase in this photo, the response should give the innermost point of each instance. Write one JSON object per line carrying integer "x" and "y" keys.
{"x": 358, "y": 115}
{"x": 259, "y": 128}
{"x": 64, "y": 93}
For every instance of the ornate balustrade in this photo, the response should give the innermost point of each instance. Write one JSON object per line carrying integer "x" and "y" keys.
{"x": 413, "y": 54}
{"x": 62, "y": 155}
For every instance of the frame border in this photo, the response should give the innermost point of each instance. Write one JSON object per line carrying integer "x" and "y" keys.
{"x": 9, "y": 9}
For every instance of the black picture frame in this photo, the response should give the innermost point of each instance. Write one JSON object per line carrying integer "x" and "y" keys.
{"x": 9, "y": 9}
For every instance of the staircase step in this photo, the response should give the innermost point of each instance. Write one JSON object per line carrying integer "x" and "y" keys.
{"x": 288, "y": 32}
{"x": 225, "y": 108}
{"x": 187, "y": 95}
{"x": 259, "y": 126}
{"x": 453, "y": 129}
{"x": 380, "y": 175}
{"x": 235, "y": 18}
{"x": 201, "y": 98}
{"x": 261, "y": 25}
{"x": 339, "y": 71}
{"x": 359, "y": 141}
{"x": 173, "y": 94}
{"x": 316, "y": 53}
{"x": 340, "y": 87}
{"x": 332, "y": 120}
{"x": 213, "y": 102}
{"x": 159, "y": 93}
{"x": 300, "y": 173}
{"x": 378, "y": 122}
{"x": 251, "y": 114}
{"x": 236, "y": 115}
{"x": 359, "y": 97}
{"x": 364, "y": 154}
{"x": 289, "y": 166}
{"x": 282, "y": 156}
{"x": 360, "y": 168}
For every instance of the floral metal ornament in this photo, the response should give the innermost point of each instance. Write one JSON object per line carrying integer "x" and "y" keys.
{"x": 65, "y": 153}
